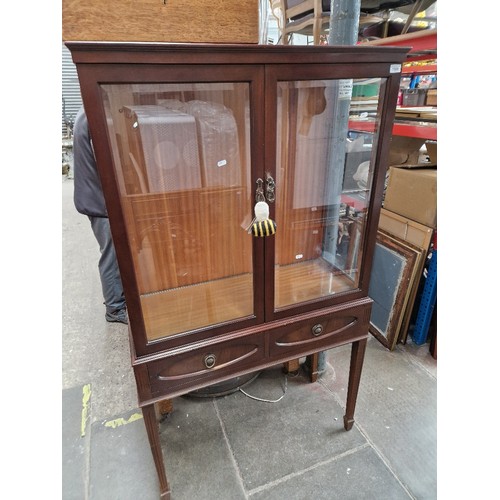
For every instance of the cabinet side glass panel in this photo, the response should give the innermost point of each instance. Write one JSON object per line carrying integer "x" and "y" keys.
{"x": 327, "y": 132}
{"x": 182, "y": 162}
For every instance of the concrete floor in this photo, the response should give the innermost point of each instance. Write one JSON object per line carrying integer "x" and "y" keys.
{"x": 235, "y": 447}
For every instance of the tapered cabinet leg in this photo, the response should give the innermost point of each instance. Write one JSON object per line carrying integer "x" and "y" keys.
{"x": 357, "y": 357}
{"x": 314, "y": 360}
{"x": 151, "y": 422}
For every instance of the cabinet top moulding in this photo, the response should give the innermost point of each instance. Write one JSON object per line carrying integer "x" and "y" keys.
{"x": 193, "y": 53}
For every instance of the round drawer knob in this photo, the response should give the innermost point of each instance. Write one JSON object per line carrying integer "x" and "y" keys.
{"x": 209, "y": 360}
{"x": 317, "y": 330}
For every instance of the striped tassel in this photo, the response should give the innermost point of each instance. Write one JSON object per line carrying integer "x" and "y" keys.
{"x": 267, "y": 227}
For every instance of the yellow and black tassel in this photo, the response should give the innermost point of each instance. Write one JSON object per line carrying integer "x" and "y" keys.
{"x": 263, "y": 228}
{"x": 262, "y": 225}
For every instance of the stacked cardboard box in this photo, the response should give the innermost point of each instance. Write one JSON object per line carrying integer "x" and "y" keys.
{"x": 412, "y": 193}
{"x": 431, "y": 99}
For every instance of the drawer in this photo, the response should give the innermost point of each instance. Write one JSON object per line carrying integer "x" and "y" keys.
{"x": 338, "y": 326}
{"x": 201, "y": 365}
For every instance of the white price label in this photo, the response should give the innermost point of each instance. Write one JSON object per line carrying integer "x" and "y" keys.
{"x": 345, "y": 89}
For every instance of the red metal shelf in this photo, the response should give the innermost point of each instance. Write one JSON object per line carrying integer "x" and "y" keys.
{"x": 422, "y": 44}
{"x": 418, "y": 42}
{"x": 427, "y": 68}
{"x": 428, "y": 132}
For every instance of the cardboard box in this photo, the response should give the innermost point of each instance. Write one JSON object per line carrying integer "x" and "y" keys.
{"x": 230, "y": 21}
{"x": 404, "y": 150}
{"x": 432, "y": 97}
{"x": 414, "y": 97}
{"x": 406, "y": 229}
{"x": 432, "y": 151}
{"x": 412, "y": 193}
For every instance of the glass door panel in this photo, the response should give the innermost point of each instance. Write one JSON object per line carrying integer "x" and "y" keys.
{"x": 324, "y": 173}
{"x": 182, "y": 160}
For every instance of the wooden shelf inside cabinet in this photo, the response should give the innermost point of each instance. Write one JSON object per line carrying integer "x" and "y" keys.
{"x": 188, "y": 139}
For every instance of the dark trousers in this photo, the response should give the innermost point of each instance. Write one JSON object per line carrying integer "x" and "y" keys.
{"x": 111, "y": 282}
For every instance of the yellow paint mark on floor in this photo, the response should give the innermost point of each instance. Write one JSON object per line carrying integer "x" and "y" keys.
{"x": 121, "y": 421}
{"x": 85, "y": 408}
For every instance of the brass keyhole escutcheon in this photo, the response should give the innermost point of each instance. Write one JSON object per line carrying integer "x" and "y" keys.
{"x": 317, "y": 330}
{"x": 209, "y": 360}
{"x": 270, "y": 187}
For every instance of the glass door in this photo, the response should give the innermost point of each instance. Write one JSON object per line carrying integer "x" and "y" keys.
{"x": 182, "y": 154}
{"x": 324, "y": 168}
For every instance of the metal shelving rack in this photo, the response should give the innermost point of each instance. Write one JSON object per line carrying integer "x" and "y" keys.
{"x": 427, "y": 303}
{"x": 423, "y": 47}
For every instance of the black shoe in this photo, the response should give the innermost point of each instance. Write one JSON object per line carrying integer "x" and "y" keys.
{"x": 117, "y": 316}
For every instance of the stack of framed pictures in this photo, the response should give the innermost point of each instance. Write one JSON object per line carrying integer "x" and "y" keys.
{"x": 400, "y": 254}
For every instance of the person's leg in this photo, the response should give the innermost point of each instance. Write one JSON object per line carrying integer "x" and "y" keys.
{"x": 111, "y": 282}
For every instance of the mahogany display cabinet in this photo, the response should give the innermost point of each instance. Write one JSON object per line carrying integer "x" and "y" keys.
{"x": 192, "y": 142}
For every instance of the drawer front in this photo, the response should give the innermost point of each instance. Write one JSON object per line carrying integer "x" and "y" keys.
{"x": 322, "y": 332}
{"x": 201, "y": 365}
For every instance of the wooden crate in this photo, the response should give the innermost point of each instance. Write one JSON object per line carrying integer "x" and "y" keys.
{"x": 210, "y": 21}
